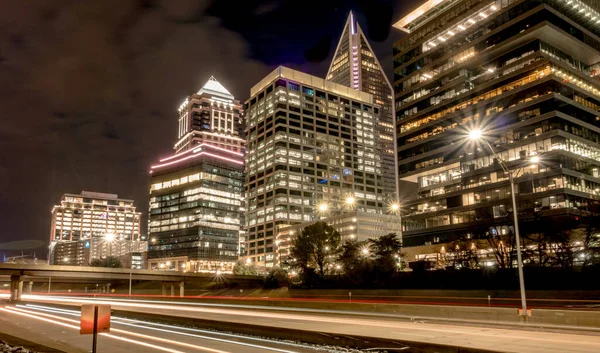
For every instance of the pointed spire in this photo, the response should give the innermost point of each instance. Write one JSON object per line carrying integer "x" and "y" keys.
{"x": 212, "y": 86}
{"x": 352, "y": 23}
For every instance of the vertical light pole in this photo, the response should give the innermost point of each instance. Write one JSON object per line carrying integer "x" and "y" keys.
{"x": 130, "y": 264}
{"x": 477, "y": 135}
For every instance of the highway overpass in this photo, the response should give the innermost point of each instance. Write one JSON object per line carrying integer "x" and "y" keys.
{"x": 35, "y": 273}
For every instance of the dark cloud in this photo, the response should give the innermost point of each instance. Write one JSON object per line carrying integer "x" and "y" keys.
{"x": 89, "y": 89}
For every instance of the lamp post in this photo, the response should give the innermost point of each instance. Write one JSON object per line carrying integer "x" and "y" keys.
{"x": 477, "y": 135}
{"x": 394, "y": 208}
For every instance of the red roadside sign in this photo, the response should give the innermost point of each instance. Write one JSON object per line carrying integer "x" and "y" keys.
{"x": 101, "y": 316}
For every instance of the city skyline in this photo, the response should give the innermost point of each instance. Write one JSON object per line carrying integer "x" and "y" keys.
{"x": 94, "y": 136}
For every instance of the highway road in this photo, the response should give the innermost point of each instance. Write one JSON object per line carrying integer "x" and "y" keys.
{"x": 482, "y": 337}
{"x": 59, "y": 329}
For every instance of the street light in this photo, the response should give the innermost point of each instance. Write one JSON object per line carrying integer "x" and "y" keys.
{"x": 323, "y": 207}
{"x": 476, "y": 134}
{"x": 350, "y": 201}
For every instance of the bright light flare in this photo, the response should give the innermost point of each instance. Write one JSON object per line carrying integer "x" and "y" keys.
{"x": 350, "y": 201}
{"x": 475, "y": 134}
{"x": 535, "y": 159}
{"x": 109, "y": 237}
{"x": 323, "y": 207}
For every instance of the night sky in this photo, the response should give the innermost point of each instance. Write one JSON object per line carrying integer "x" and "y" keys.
{"x": 89, "y": 90}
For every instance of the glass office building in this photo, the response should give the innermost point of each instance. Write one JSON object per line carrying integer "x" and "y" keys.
{"x": 312, "y": 146}
{"x": 525, "y": 73}
{"x": 196, "y": 195}
{"x": 355, "y": 65}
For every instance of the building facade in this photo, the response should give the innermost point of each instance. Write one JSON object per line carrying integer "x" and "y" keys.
{"x": 355, "y": 65}
{"x": 212, "y": 115}
{"x": 82, "y": 252}
{"x": 525, "y": 73}
{"x": 313, "y": 152}
{"x": 197, "y": 195}
{"x": 94, "y": 215}
{"x": 354, "y": 225}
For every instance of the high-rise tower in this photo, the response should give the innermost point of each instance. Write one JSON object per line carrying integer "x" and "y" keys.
{"x": 524, "y": 75}
{"x": 313, "y": 152}
{"x": 212, "y": 115}
{"x": 196, "y": 196}
{"x": 355, "y": 65}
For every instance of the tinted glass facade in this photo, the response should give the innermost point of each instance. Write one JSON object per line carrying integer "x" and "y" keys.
{"x": 523, "y": 72}
{"x": 355, "y": 65}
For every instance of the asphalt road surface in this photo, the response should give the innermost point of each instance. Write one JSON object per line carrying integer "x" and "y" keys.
{"x": 59, "y": 329}
{"x": 493, "y": 338}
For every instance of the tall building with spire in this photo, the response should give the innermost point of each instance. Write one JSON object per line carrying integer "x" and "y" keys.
{"x": 355, "y": 65}
{"x": 196, "y": 195}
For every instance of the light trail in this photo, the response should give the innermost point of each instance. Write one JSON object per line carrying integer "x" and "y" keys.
{"x": 118, "y": 320}
{"x": 135, "y": 323}
{"x": 135, "y": 334}
{"x": 464, "y": 330}
{"x": 165, "y": 349}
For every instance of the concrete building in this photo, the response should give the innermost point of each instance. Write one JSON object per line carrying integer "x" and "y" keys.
{"x": 82, "y": 252}
{"x": 94, "y": 215}
{"x": 314, "y": 151}
{"x": 525, "y": 73}
{"x": 196, "y": 195}
{"x": 354, "y": 225}
{"x": 355, "y": 65}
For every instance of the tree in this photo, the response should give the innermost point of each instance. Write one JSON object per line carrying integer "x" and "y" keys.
{"x": 387, "y": 251}
{"x": 277, "y": 278}
{"x": 355, "y": 265}
{"x": 109, "y": 261}
{"x": 589, "y": 252}
{"x": 242, "y": 268}
{"x": 314, "y": 247}
{"x": 463, "y": 253}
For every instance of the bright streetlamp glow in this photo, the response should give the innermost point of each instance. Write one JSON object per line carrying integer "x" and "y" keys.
{"x": 365, "y": 251}
{"x": 168, "y": 263}
{"x": 109, "y": 237}
{"x": 475, "y": 134}
{"x": 323, "y": 207}
{"x": 535, "y": 159}
{"x": 66, "y": 259}
{"x": 350, "y": 201}
{"x": 248, "y": 260}
{"x": 395, "y": 206}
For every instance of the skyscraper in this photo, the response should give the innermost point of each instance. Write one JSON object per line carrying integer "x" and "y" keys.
{"x": 525, "y": 73}
{"x": 313, "y": 151}
{"x": 196, "y": 195}
{"x": 212, "y": 115}
{"x": 355, "y": 65}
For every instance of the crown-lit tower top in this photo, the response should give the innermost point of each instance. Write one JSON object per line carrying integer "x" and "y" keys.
{"x": 210, "y": 116}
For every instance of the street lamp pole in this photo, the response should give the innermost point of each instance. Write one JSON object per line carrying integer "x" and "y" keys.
{"x": 130, "y": 264}
{"x": 516, "y": 221}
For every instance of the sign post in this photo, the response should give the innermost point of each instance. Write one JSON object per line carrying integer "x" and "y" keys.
{"x": 94, "y": 319}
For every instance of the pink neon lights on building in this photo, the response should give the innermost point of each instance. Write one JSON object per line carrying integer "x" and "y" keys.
{"x": 197, "y": 152}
